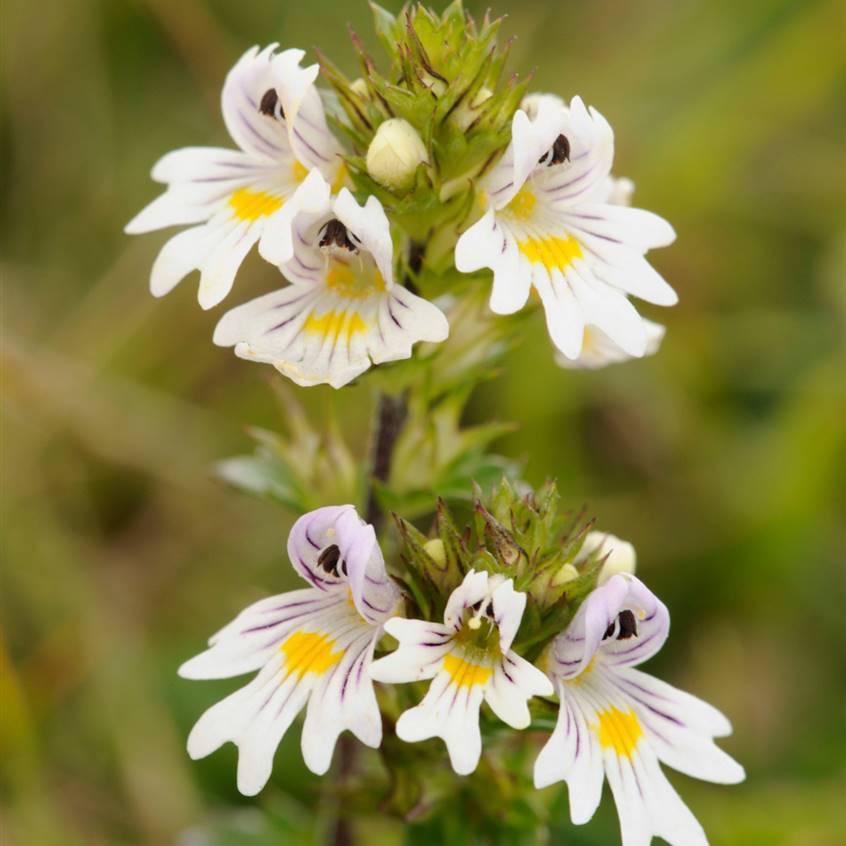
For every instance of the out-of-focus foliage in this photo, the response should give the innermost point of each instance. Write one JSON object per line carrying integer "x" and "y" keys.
{"x": 721, "y": 458}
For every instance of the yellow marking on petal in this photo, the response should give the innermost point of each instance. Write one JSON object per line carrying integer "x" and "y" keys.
{"x": 523, "y": 204}
{"x": 299, "y": 171}
{"x": 336, "y": 323}
{"x": 340, "y": 178}
{"x": 351, "y": 284}
{"x": 582, "y": 676}
{"x": 251, "y": 205}
{"x": 552, "y": 252}
{"x": 465, "y": 673}
{"x": 619, "y": 730}
{"x": 309, "y": 652}
{"x": 482, "y": 199}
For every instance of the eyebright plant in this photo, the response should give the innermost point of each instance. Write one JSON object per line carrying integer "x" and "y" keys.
{"x": 412, "y": 213}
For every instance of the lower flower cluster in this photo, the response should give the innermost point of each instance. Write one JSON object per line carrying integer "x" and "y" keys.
{"x": 314, "y": 649}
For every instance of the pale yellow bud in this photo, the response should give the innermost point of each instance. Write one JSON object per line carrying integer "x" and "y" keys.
{"x": 359, "y": 87}
{"x": 621, "y": 556}
{"x": 620, "y": 191}
{"x": 566, "y": 574}
{"x": 435, "y": 550}
{"x": 395, "y": 153}
{"x": 466, "y": 113}
{"x": 533, "y": 103}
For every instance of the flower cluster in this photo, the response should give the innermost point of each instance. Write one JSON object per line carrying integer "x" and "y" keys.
{"x": 487, "y": 638}
{"x": 394, "y": 205}
{"x": 443, "y": 167}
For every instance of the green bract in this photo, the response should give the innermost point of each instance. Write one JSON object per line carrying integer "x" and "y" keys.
{"x": 520, "y": 534}
{"x": 445, "y": 77}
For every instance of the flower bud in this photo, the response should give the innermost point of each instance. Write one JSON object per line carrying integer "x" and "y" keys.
{"x": 566, "y": 574}
{"x": 533, "y": 103}
{"x": 466, "y": 113}
{"x": 620, "y": 191}
{"x": 394, "y": 154}
{"x": 621, "y": 557}
{"x": 436, "y": 551}
{"x": 359, "y": 87}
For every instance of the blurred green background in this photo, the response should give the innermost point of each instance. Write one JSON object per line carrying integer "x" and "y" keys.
{"x": 722, "y": 458}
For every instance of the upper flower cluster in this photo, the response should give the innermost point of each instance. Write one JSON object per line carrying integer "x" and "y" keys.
{"x": 502, "y": 634}
{"x": 443, "y": 166}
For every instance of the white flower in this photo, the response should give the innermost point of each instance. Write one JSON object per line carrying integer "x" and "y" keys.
{"x": 548, "y": 225}
{"x": 618, "y": 722}
{"x": 469, "y": 659}
{"x": 343, "y": 309}
{"x": 598, "y": 350}
{"x": 395, "y": 153}
{"x": 239, "y": 197}
{"x": 312, "y": 648}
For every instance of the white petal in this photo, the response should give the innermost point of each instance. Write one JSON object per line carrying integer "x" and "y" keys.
{"x": 182, "y": 254}
{"x": 422, "y": 647}
{"x": 648, "y": 805}
{"x": 316, "y": 336}
{"x": 494, "y": 188}
{"x": 312, "y": 533}
{"x": 610, "y": 311}
{"x": 514, "y": 682}
{"x": 450, "y": 712}
{"x": 639, "y": 227}
{"x": 488, "y": 244}
{"x": 222, "y": 263}
{"x": 573, "y": 650}
{"x": 564, "y": 314}
{"x": 533, "y": 138}
{"x": 681, "y": 727}
{"x": 308, "y": 134}
{"x": 259, "y": 741}
{"x": 227, "y": 719}
{"x": 374, "y": 594}
{"x": 508, "y": 607}
{"x": 572, "y": 754}
{"x": 573, "y": 182}
{"x": 172, "y": 208}
{"x": 264, "y": 136}
{"x": 634, "y": 275}
{"x": 251, "y": 639}
{"x": 405, "y": 319}
{"x": 473, "y": 588}
{"x": 207, "y": 165}
{"x": 342, "y": 699}
{"x": 310, "y": 198}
